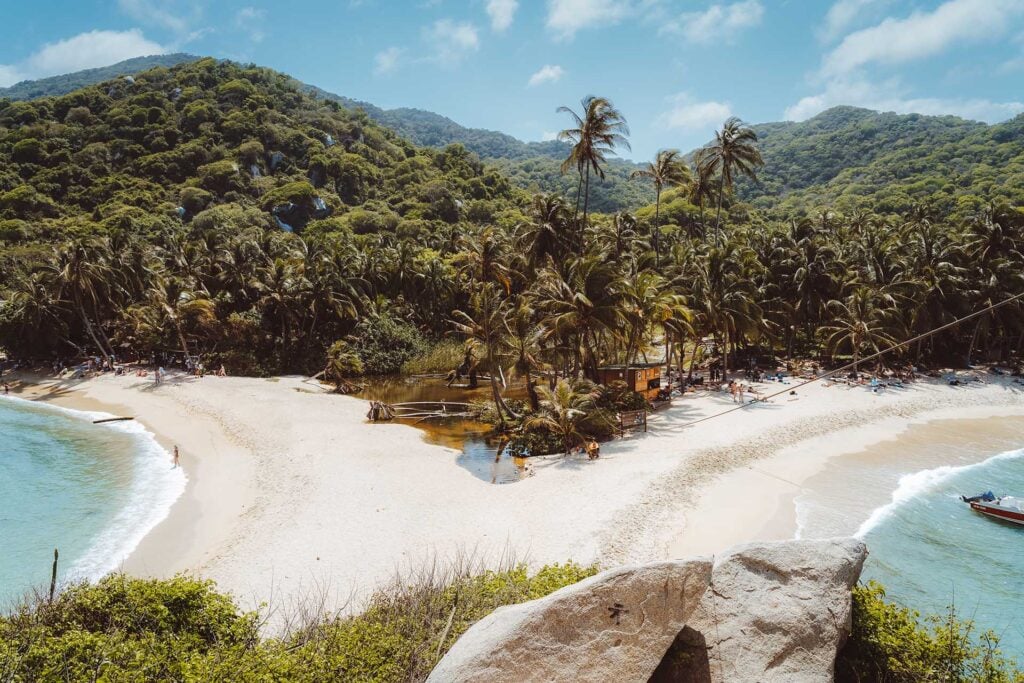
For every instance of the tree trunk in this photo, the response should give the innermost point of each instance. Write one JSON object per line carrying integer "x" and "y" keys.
{"x": 725, "y": 356}
{"x": 586, "y": 208}
{"x": 657, "y": 226}
{"x": 579, "y": 192}
{"x": 974, "y": 339}
{"x": 181, "y": 339}
{"x": 718, "y": 213}
{"x": 89, "y": 328}
{"x": 531, "y": 391}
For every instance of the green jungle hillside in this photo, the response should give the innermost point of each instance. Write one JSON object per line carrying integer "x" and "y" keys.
{"x": 845, "y": 157}
{"x": 55, "y": 86}
{"x": 213, "y": 164}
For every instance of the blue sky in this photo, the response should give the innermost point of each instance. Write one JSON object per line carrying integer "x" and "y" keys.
{"x": 676, "y": 68}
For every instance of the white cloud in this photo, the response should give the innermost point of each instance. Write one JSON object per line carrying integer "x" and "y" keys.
{"x": 842, "y": 15}
{"x": 84, "y": 51}
{"x": 451, "y": 41}
{"x": 548, "y": 136}
{"x": 386, "y": 61}
{"x": 922, "y": 34}
{"x": 691, "y": 115}
{"x": 566, "y": 17}
{"x": 250, "y": 20}
{"x": 501, "y": 13}
{"x": 891, "y": 96}
{"x": 717, "y": 23}
{"x": 549, "y": 73}
{"x": 9, "y": 75}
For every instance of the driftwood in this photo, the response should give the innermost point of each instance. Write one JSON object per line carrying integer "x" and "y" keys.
{"x": 379, "y": 412}
{"x": 112, "y": 419}
{"x": 419, "y": 410}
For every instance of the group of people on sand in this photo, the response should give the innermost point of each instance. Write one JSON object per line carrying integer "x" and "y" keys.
{"x": 738, "y": 389}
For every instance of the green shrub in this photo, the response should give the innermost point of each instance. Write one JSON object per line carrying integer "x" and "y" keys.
{"x": 181, "y": 629}
{"x": 894, "y": 644}
{"x": 385, "y": 343}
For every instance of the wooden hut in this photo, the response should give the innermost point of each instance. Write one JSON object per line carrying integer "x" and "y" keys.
{"x": 643, "y": 378}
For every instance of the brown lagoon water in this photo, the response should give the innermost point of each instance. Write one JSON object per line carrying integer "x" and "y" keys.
{"x": 480, "y": 449}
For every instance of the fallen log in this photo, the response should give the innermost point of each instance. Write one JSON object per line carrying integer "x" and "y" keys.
{"x": 112, "y": 419}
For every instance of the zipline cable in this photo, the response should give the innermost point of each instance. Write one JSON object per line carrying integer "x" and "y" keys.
{"x": 878, "y": 354}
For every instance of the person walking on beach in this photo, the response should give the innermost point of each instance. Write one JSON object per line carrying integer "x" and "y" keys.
{"x": 177, "y": 458}
{"x": 7, "y": 388}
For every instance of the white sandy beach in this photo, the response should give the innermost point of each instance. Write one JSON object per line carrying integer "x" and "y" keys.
{"x": 290, "y": 489}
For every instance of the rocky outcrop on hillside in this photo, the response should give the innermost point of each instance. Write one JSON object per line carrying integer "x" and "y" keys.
{"x": 763, "y": 612}
{"x": 773, "y": 612}
{"x": 615, "y": 626}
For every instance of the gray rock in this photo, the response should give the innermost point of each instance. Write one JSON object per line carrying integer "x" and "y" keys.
{"x": 615, "y": 626}
{"x": 774, "y": 612}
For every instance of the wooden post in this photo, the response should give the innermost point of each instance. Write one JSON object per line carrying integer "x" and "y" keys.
{"x": 53, "y": 575}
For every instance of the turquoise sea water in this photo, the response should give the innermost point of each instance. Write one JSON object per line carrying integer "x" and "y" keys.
{"x": 926, "y": 546}
{"x": 92, "y": 491}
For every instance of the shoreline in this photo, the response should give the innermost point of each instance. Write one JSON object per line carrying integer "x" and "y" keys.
{"x": 771, "y": 487}
{"x": 290, "y": 490}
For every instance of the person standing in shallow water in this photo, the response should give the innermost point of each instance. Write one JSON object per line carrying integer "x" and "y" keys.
{"x": 177, "y": 458}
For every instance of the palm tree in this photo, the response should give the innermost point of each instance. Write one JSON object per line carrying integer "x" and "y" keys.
{"x": 580, "y": 305}
{"x": 562, "y": 410}
{"x": 667, "y": 169}
{"x": 545, "y": 234}
{"x": 35, "y": 313}
{"x": 81, "y": 269}
{"x": 522, "y": 339}
{"x": 484, "y": 326}
{"x": 863, "y": 321}
{"x": 597, "y": 131}
{"x": 733, "y": 151}
{"x": 342, "y": 363}
{"x": 701, "y": 189}
{"x": 179, "y": 303}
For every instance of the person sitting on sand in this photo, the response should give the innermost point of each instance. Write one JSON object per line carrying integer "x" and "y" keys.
{"x": 221, "y": 372}
{"x": 593, "y": 450}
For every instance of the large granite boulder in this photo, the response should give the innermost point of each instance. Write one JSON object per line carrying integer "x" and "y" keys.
{"x": 615, "y": 626}
{"x": 773, "y": 612}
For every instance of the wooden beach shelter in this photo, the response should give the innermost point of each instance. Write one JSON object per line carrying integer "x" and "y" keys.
{"x": 643, "y": 378}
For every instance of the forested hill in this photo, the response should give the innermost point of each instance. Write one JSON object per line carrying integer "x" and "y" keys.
{"x": 531, "y": 165}
{"x": 56, "y": 86}
{"x": 843, "y": 157}
{"x": 224, "y": 146}
{"x": 433, "y": 130}
{"x": 534, "y": 166}
{"x": 846, "y": 157}
{"x": 171, "y": 194}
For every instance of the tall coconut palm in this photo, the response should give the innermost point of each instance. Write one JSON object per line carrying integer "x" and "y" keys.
{"x": 484, "y": 325}
{"x": 597, "y": 131}
{"x": 701, "y": 189}
{"x": 545, "y": 233}
{"x": 862, "y": 321}
{"x": 667, "y": 170}
{"x": 580, "y": 305}
{"x": 522, "y": 339}
{"x": 81, "y": 270}
{"x": 733, "y": 152}
{"x": 179, "y": 304}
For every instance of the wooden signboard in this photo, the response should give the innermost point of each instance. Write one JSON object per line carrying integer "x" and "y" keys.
{"x": 633, "y": 419}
